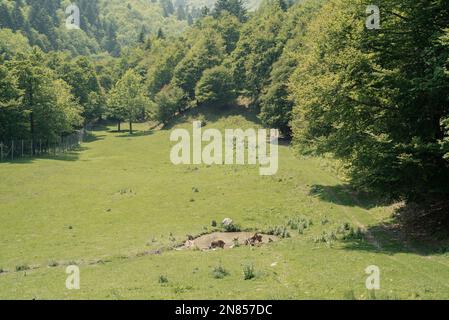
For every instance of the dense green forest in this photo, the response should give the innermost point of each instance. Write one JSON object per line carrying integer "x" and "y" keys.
{"x": 376, "y": 99}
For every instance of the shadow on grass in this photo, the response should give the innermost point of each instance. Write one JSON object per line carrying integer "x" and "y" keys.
{"x": 412, "y": 228}
{"x": 393, "y": 239}
{"x": 135, "y": 134}
{"x": 212, "y": 114}
{"x": 90, "y": 137}
{"x": 68, "y": 155}
{"x": 346, "y": 195}
{"x": 101, "y": 126}
{"x": 72, "y": 155}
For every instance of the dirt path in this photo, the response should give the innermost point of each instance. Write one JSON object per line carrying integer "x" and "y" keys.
{"x": 373, "y": 241}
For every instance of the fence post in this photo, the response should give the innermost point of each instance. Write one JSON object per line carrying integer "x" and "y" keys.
{"x": 12, "y": 150}
{"x": 22, "y": 148}
{"x": 1, "y": 151}
{"x": 40, "y": 146}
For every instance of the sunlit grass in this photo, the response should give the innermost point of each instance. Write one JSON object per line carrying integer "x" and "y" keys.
{"x": 109, "y": 206}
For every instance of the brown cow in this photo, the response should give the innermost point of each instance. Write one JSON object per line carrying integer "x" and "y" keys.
{"x": 217, "y": 244}
{"x": 257, "y": 238}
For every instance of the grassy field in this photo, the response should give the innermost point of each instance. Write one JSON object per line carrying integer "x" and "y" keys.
{"x": 109, "y": 205}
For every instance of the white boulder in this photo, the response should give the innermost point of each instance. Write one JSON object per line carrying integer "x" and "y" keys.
{"x": 227, "y": 222}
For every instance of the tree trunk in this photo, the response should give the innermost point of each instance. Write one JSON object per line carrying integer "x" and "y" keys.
{"x": 131, "y": 127}
{"x": 30, "y": 93}
{"x": 33, "y": 151}
{"x": 118, "y": 126}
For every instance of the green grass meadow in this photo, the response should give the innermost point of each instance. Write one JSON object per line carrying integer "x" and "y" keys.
{"x": 109, "y": 205}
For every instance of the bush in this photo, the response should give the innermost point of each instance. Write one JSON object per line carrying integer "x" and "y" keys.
{"x": 327, "y": 237}
{"x": 248, "y": 272}
{"x": 279, "y": 231}
{"x": 215, "y": 87}
{"x": 300, "y": 223}
{"x": 163, "y": 279}
{"x": 354, "y": 234}
{"x": 232, "y": 228}
{"x": 219, "y": 272}
{"x": 22, "y": 267}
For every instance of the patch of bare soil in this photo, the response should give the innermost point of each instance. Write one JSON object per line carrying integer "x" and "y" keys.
{"x": 228, "y": 240}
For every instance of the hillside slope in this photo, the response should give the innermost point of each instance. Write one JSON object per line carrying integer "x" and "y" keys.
{"x": 119, "y": 207}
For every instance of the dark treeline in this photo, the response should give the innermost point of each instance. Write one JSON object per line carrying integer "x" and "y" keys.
{"x": 376, "y": 99}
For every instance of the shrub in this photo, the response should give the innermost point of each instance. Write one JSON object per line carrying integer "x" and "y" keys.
{"x": 163, "y": 279}
{"x": 248, "y": 272}
{"x": 22, "y": 267}
{"x": 327, "y": 237}
{"x": 219, "y": 272}
{"x": 232, "y": 228}
{"x": 179, "y": 289}
{"x": 300, "y": 223}
{"x": 279, "y": 231}
{"x": 354, "y": 234}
